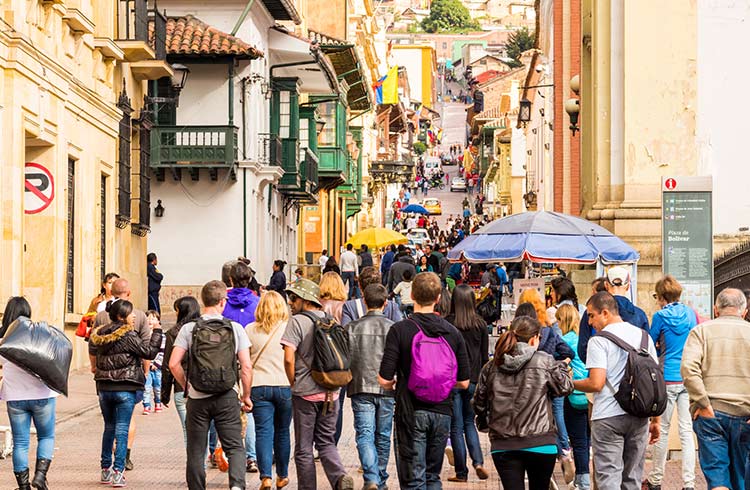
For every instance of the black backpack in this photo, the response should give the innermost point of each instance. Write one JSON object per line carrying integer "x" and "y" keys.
{"x": 642, "y": 391}
{"x": 212, "y": 365}
{"x": 331, "y": 361}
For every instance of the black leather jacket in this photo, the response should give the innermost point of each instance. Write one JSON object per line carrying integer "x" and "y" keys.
{"x": 515, "y": 399}
{"x": 367, "y": 342}
{"x": 119, "y": 352}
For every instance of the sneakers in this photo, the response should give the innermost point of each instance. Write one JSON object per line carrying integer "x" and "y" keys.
{"x": 346, "y": 482}
{"x": 252, "y": 466}
{"x": 146, "y": 410}
{"x": 449, "y": 455}
{"x": 481, "y": 472}
{"x": 106, "y": 477}
{"x": 158, "y": 408}
{"x": 118, "y": 479}
{"x": 458, "y": 479}
{"x": 128, "y": 464}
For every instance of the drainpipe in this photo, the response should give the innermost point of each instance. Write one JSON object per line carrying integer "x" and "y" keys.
{"x": 243, "y": 98}
{"x": 231, "y": 92}
{"x": 242, "y": 17}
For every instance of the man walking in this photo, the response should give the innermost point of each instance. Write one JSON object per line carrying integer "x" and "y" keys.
{"x": 315, "y": 410}
{"x": 371, "y": 404}
{"x": 349, "y": 269}
{"x": 386, "y": 262}
{"x": 214, "y": 346}
{"x": 422, "y": 427}
{"x": 154, "y": 282}
{"x": 716, "y": 373}
{"x": 403, "y": 262}
{"x": 619, "y": 440}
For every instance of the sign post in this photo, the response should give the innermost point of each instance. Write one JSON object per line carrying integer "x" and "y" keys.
{"x": 687, "y": 239}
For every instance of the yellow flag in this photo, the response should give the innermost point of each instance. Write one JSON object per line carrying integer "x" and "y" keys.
{"x": 390, "y": 86}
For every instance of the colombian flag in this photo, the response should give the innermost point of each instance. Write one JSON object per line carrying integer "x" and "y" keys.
{"x": 386, "y": 89}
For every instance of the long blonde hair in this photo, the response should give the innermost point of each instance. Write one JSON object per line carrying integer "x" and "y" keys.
{"x": 271, "y": 310}
{"x": 568, "y": 318}
{"x": 332, "y": 287}
{"x": 532, "y": 296}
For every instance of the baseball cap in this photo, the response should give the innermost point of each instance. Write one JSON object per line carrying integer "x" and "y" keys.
{"x": 618, "y": 276}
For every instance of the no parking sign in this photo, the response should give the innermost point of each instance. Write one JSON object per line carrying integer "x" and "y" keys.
{"x": 39, "y": 188}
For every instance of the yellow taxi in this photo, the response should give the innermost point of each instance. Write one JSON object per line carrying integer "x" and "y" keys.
{"x": 432, "y": 205}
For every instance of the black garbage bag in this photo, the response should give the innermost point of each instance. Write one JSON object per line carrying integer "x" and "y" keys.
{"x": 40, "y": 349}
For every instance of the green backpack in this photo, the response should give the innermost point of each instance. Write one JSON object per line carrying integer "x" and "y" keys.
{"x": 212, "y": 365}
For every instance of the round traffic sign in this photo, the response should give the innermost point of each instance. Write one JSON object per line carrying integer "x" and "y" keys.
{"x": 39, "y": 188}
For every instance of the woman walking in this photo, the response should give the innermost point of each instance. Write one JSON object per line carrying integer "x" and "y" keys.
{"x": 513, "y": 401}
{"x": 188, "y": 310}
{"x": 332, "y": 266}
{"x": 278, "y": 278}
{"x": 271, "y": 394}
{"x": 476, "y": 336}
{"x": 28, "y": 398}
{"x": 119, "y": 353}
{"x": 333, "y": 294}
{"x": 423, "y": 265}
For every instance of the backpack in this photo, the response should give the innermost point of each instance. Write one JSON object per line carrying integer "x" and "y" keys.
{"x": 642, "y": 392}
{"x": 434, "y": 367}
{"x": 212, "y": 364}
{"x": 331, "y": 353}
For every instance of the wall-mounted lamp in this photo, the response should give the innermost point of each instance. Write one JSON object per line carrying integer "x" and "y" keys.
{"x": 319, "y": 125}
{"x": 179, "y": 79}
{"x": 524, "y": 111}
{"x": 572, "y": 107}
{"x": 528, "y": 152}
{"x": 575, "y": 84}
{"x": 159, "y": 209}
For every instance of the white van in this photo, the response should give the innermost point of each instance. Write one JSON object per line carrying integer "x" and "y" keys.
{"x": 432, "y": 165}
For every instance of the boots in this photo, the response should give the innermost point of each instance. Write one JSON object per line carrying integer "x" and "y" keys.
{"x": 22, "y": 478}
{"x": 40, "y": 475}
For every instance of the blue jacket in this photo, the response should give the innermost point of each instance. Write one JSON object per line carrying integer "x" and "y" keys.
{"x": 628, "y": 312}
{"x": 502, "y": 275}
{"x": 577, "y": 398}
{"x": 553, "y": 344}
{"x": 670, "y": 327}
{"x": 241, "y": 305}
{"x": 386, "y": 262}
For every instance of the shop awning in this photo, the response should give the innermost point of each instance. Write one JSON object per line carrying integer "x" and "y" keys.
{"x": 300, "y": 58}
{"x": 346, "y": 62}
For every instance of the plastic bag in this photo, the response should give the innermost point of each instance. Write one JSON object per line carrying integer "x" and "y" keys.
{"x": 40, "y": 349}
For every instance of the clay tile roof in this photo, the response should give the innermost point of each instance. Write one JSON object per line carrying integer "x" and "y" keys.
{"x": 191, "y": 36}
{"x": 487, "y": 75}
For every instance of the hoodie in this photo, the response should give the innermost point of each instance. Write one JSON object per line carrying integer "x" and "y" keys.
{"x": 241, "y": 305}
{"x": 669, "y": 329}
{"x": 628, "y": 312}
{"x": 396, "y": 274}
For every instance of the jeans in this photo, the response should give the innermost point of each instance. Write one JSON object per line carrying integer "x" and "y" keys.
{"x": 250, "y": 438}
{"x": 676, "y": 395}
{"x": 224, "y": 411}
{"x": 152, "y": 388}
{"x": 420, "y": 448}
{"x": 723, "y": 449}
{"x": 562, "y": 433}
{"x": 272, "y": 411}
{"x": 373, "y": 421}
{"x": 181, "y": 408}
{"x": 619, "y": 451}
{"x": 117, "y": 410}
{"x": 20, "y": 413}
{"x": 348, "y": 277}
{"x": 464, "y": 432}
{"x": 314, "y": 424}
{"x": 514, "y": 466}
{"x": 340, "y": 418}
{"x": 577, "y": 423}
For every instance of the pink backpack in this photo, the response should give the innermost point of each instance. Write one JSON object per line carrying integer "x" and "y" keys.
{"x": 433, "y": 367}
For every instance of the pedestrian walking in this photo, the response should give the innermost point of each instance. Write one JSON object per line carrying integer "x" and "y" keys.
{"x": 464, "y": 434}
{"x": 323, "y": 260}
{"x": 188, "y": 310}
{"x": 332, "y": 266}
{"x": 513, "y": 402}
{"x": 271, "y": 394}
{"x": 365, "y": 257}
{"x": 152, "y": 388}
{"x": 118, "y": 370}
{"x": 670, "y": 327}
{"x": 716, "y": 374}
{"x": 314, "y": 407}
{"x": 403, "y": 292}
{"x": 350, "y": 270}
{"x": 429, "y": 357}
{"x": 403, "y": 261}
{"x": 372, "y": 406}
{"x": 423, "y": 265}
{"x": 618, "y": 438}
{"x": 154, "y": 282}
{"x": 28, "y": 399}
{"x": 386, "y": 262}
{"x": 333, "y": 294}
{"x": 278, "y": 278}
{"x": 214, "y": 347}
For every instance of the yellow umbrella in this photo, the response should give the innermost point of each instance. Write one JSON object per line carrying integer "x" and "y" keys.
{"x": 377, "y": 238}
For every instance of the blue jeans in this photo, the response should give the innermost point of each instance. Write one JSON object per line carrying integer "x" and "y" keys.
{"x": 577, "y": 422}
{"x": 723, "y": 449}
{"x": 562, "y": 432}
{"x": 348, "y": 277}
{"x": 20, "y": 413}
{"x": 117, "y": 409}
{"x": 250, "y": 438}
{"x": 464, "y": 432}
{"x": 152, "y": 389}
{"x": 179, "y": 405}
{"x": 420, "y": 448}
{"x": 373, "y": 421}
{"x": 272, "y": 411}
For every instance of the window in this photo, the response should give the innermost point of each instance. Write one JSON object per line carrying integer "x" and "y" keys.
{"x": 103, "y": 227}
{"x": 123, "y": 161}
{"x": 144, "y": 178}
{"x": 69, "y": 277}
{"x": 328, "y": 114}
{"x": 445, "y": 45}
{"x": 304, "y": 136}
{"x": 284, "y": 113}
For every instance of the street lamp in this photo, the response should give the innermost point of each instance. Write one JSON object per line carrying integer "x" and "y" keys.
{"x": 319, "y": 125}
{"x": 572, "y": 107}
{"x": 159, "y": 209}
{"x": 524, "y": 111}
{"x": 180, "y": 76}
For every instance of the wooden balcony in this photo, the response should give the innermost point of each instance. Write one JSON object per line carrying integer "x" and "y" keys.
{"x": 194, "y": 146}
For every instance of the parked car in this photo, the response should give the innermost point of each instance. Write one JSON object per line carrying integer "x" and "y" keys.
{"x": 418, "y": 236}
{"x": 458, "y": 184}
{"x": 433, "y": 205}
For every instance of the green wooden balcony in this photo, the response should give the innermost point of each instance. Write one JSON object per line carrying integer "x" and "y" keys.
{"x": 194, "y": 146}
{"x": 307, "y": 189}
{"x": 290, "y": 162}
{"x": 333, "y": 167}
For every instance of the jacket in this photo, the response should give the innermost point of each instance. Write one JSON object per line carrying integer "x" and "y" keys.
{"x": 351, "y": 312}
{"x": 154, "y": 278}
{"x": 577, "y": 398}
{"x": 278, "y": 283}
{"x": 366, "y": 260}
{"x": 386, "y": 262}
{"x": 119, "y": 352}
{"x": 367, "y": 343}
{"x": 241, "y": 305}
{"x": 396, "y": 274}
{"x": 515, "y": 399}
{"x": 670, "y": 327}
{"x": 628, "y": 312}
{"x": 167, "y": 380}
{"x": 553, "y": 344}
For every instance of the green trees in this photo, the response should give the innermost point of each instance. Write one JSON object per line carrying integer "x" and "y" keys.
{"x": 419, "y": 147}
{"x": 518, "y": 42}
{"x": 447, "y": 16}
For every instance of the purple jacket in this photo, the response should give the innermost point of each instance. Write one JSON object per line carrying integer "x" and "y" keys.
{"x": 241, "y": 304}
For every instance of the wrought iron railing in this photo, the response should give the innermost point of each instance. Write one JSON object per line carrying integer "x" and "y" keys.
{"x": 270, "y": 149}
{"x": 309, "y": 168}
{"x": 208, "y": 146}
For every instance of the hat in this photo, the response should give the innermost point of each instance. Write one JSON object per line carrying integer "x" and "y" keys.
{"x": 492, "y": 266}
{"x": 305, "y": 289}
{"x": 618, "y": 276}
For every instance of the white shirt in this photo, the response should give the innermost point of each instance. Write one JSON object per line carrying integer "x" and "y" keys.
{"x": 411, "y": 223}
{"x": 20, "y": 385}
{"x": 348, "y": 262}
{"x": 602, "y": 353}
{"x": 322, "y": 261}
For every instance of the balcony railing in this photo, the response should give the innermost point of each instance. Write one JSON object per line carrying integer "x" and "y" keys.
{"x": 309, "y": 169}
{"x": 197, "y": 146}
{"x": 133, "y": 17}
{"x": 270, "y": 150}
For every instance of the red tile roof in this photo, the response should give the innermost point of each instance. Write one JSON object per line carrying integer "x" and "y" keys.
{"x": 189, "y": 35}
{"x": 487, "y": 75}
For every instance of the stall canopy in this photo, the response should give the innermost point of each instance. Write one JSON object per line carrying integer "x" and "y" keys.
{"x": 543, "y": 236}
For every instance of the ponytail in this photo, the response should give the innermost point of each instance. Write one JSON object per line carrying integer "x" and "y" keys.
{"x": 505, "y": 344}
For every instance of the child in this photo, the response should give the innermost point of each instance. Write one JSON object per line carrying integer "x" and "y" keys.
{"x": 152, "y": 388}
{"x": 403, "y": 290}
